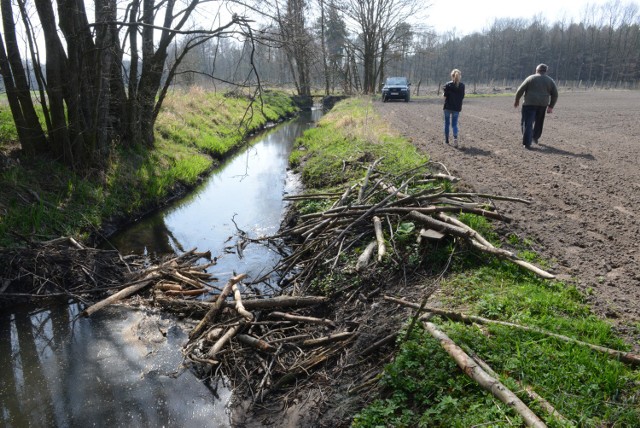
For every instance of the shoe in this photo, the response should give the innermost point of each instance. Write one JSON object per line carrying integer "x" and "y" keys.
{"x": 455, "y": 141}
{"x": 535, "y": 140}
{"x": 528, "y": 147}
{"x": 446, "y": 141}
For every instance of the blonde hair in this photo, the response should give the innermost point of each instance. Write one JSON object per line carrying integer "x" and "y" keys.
{"x": 456, "y": 75}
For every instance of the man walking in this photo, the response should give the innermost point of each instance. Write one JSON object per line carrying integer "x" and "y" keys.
{"x": 540, "y": 96}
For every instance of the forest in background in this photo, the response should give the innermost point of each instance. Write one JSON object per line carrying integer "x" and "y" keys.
{"x": 602, "y": 50}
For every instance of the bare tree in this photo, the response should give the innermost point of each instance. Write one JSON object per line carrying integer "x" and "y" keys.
{"x": 105, "y": 80}
{"x": 375, "y": 22}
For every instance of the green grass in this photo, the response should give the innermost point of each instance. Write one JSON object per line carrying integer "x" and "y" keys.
{"x": 351, "y": 136}
{"x": 42, "y": 199}
{"x": 8, "y": 131}
{"x": 423, "y": 386}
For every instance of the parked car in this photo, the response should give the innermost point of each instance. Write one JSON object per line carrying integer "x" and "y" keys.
{"x": 396, "y": 88}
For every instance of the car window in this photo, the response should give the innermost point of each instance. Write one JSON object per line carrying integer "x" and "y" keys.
{"x": 396, "y": 81}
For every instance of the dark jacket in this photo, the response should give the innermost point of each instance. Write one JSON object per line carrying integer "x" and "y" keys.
{"x": 453, "y": 96}
{"x": 539, "y": 90}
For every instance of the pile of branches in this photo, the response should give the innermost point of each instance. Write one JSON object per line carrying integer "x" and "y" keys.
{"x": 266, "y": 343}
{"x": 58, "y": 269}
{"x": 65, "y": 269}
{"x": 177, "y": 276}
{"x": 357, "y": 217}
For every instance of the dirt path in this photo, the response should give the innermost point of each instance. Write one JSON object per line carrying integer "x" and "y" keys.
{"x": 583, "y": 177}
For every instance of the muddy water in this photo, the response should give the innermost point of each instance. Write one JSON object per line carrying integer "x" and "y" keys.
{"x": 123, "y": 367}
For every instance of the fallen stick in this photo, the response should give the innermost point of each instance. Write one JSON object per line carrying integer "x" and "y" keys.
{"x": 255, "y": 343}
{"x": 298, "y": 318}
{"x": 475, "y": 372}
{"x": 448, "y": 177}
{"x": 126, "y": 292}
{"x": 181, "y": 278}
{"x": 487, "y": 196}
{"x": 444, "y": 208}
{"x": 469, "y": 234}
{"x": 239, "y": 306}
{"x": 481, "y": 240}
{"x": 166, "y": 286}
{"x": 310, "y": 196}
{"x": 196, "y": 292}
{"x": 365, "y": 183}
{"x": 379, "y": 344}
{"x": 508, "y": 255}
{"x": 542, "y": 402}
{"x": 626, "y": 357}
{"x": 232, "y": 331}
{"x": 328, "y": 339}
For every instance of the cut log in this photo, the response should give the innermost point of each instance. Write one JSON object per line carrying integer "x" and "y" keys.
{"x": 215, "y": 308}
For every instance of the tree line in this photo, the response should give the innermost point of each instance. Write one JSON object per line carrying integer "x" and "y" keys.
{"x": 350, "y": 47}
{"x": 100, "y": 83}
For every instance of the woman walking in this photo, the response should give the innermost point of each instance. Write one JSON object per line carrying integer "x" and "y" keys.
{"x": 453, "y": 96}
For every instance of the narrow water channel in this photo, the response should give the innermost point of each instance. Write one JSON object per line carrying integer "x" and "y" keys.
{"x": 122, "y": 368}
{"x": 246, "y": 193}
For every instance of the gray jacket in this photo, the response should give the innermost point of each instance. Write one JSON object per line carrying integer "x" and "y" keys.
{"x": 537, "y": 90}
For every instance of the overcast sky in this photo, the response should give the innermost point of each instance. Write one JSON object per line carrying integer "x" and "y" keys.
{"x": 468, "y": 16}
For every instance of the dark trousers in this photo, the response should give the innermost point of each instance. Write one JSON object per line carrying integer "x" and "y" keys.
{"x": 532, "y": 123}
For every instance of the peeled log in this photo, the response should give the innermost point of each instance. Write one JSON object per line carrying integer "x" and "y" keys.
{"x": 377, "y": 227}
{"x": 213, "y": 311}
{"x": 475, "y": 372}
{"x": 364, "y": 258}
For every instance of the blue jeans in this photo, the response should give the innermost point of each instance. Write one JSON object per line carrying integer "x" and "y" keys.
{"x": 532, "y": 123}
{"x": 451, "y": 116}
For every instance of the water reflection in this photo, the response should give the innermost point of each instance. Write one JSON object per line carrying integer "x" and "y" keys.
{"x": 120, "y": 368}
{"x": 246, "y": 193}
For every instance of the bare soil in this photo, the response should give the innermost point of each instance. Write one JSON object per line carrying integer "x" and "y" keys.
{"x": 583, "y": 179}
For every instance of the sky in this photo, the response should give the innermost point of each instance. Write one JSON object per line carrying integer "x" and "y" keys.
{"x": 469, "y": 16}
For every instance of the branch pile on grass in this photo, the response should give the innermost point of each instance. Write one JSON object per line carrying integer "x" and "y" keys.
{"x": 477, "y": 369}
{"x": 357, "y": 218}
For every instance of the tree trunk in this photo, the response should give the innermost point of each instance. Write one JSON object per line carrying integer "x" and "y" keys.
{"x": 28, "y": 126}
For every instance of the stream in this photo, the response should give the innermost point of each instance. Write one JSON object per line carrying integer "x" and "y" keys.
{"x": 123, "y": 367}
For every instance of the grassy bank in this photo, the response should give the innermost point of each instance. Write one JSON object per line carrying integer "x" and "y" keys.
{"x": 423, "y": 386}
{"x": 41, "y": 200}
